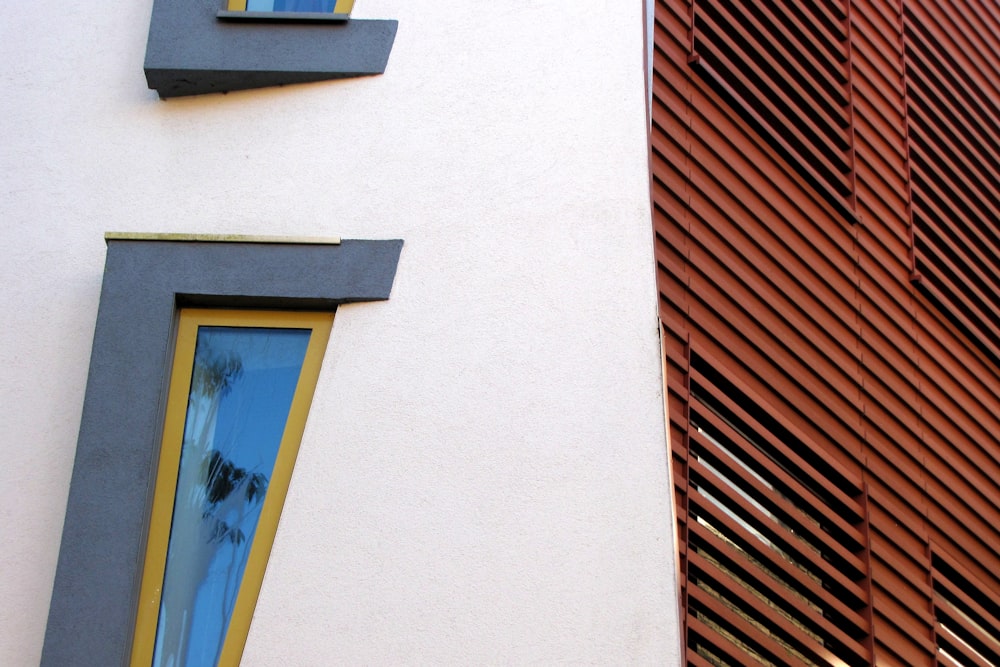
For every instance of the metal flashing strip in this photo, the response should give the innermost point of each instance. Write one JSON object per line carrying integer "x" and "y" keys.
{"x": 222, "y": 238}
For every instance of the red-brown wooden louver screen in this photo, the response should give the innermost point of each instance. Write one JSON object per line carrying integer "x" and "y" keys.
{"x": 954, "y": 130}
{"x": 777, "y": 547}
{"x": 783, "y": 65}
{"x": 832, "y": 378}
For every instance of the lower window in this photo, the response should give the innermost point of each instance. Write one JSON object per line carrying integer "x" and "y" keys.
{"x": 240, "y": 389}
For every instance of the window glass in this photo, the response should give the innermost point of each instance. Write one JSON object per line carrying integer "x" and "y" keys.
{"x": 240, "y": 387}
{"x": 305, "y": 6}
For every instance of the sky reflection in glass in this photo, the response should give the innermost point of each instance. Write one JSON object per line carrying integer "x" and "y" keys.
{"x": 323, "y": 6}
{"x": 242, "y": 387}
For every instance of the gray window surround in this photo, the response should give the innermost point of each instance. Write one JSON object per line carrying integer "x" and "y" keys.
{"x": 190, "y": 51}
{"x": 96, "y": 586}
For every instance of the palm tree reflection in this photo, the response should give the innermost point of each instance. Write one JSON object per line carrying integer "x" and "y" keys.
{"x": 215, "y": 513}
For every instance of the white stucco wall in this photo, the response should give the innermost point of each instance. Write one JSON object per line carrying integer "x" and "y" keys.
{"x": 483, "y": 477}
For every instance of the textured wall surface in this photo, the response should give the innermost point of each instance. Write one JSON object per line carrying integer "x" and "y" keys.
{"x": 483, "y": 475}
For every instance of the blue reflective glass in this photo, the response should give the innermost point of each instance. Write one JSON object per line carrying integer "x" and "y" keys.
{"x": 242, "y": 386}
{"x": 320, "y": 6}
{"x": 325, "y": 6}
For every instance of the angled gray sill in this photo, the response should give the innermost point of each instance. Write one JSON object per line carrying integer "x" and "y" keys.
{"x": 190, "y": 51}
{"x": 146, "y": 281}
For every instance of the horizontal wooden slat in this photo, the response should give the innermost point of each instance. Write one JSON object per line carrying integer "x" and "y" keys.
{"x": 784, "y": 67}
{"x": 781, "y": 485}
{"x": 758, "y": 39}
{"x": 811, "y": 636}
{"x": 781, "y": 580}
{"x": 780, "y": 511}
{"x": 826, "y": 167}
{"x": 955, "y": 647}
{"x": 952, "y": 618}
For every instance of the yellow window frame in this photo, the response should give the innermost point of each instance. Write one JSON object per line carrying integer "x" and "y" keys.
{"x": 190, "y": 320}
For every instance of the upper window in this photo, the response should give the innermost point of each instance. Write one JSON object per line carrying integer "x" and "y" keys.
{"x": 293, "y": 9}
{"x": 213, "y": 46}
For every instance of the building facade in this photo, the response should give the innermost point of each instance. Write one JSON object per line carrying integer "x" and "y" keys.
{"x": 482, "y": 476}
{"x": 825, "y": 186}
{"x": 473, "y": 211}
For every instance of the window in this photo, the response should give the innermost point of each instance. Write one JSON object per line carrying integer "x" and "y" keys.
{"x": 241, "y": 386}
{"x": 337, "y": 10}
{"x": 148, "y": 280}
